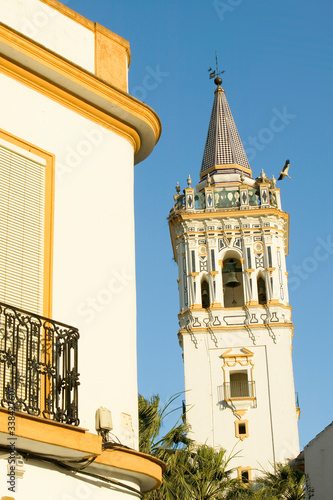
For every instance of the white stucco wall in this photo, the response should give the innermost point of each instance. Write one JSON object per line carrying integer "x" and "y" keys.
{"x": 94, "y": 259}
{"x": 272, "y": 421}
{"x": 52, "y": 29}
{"x": 318, "y": 460}
{"x": 53, "y": 483}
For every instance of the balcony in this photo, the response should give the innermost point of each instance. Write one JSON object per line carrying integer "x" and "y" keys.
{"x": 38, "y": 366}
{"x": 239, "y": 390}
{"x": 223, "y": 199}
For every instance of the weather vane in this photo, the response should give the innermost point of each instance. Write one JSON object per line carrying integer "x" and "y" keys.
{"x": 215, "y": 73}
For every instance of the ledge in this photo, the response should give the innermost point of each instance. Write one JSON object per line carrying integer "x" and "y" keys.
{"x": 47, "y": 437}
{"x": 249, "y": 305}
{"x": 245, "y": 398}
{"x": 66, "y": 11}
{"x": 147, "y": 469}
{"x": 67, "y": 443}
{"x": 254, "y": 327}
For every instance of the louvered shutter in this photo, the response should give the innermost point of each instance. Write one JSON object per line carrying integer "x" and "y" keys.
{"x": 22, "y": 214}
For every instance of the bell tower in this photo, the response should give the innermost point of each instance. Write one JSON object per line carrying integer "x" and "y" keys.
{"x": 230, "y": 241}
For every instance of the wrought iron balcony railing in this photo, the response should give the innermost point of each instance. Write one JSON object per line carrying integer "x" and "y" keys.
{"x": 239, "y": 389}
{"x": 38, "y": 365}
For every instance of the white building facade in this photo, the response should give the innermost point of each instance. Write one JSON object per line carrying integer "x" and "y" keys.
{"x": 70, "y": 135}
{"x": 316, "y": 462}
{"x": 230, "y": 241}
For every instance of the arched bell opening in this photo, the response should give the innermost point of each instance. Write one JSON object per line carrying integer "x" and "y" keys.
{"x": 205, "y": 296}
{"x": 233, "y": 287}
{"x": 262, "y": 292}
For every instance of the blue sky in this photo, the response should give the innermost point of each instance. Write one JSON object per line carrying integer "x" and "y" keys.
{"x": 278, "y": 59}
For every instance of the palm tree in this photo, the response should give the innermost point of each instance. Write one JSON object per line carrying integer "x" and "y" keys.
{"x": 285, "y": 483}
{"x": 203, "y": 474}
{"x": 192, "y": 473}
{"x": 151, "y": 419}
{"x": 168, "y": 448}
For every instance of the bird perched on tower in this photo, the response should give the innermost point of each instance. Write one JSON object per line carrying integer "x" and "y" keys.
{"x": 284, "y": 171}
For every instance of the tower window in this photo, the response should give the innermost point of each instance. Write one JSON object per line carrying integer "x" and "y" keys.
{"x": 205, "y": 300}
{"x": 193, "y": 260}
{"x": 269, "y": 253}
{"x": 239, "y": 385}
{"x": 212, "y": 254}
{"x": 244, "y": 474}
{"x": 249, "y": 263}
{"x": 241, "y": 429}
{"x": 262, "y": 296}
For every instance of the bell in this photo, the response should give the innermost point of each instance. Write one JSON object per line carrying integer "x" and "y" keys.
{"x": 232, "y": 281}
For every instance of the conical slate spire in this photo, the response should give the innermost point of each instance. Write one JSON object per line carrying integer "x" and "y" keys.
{"x": 223, "y": 144}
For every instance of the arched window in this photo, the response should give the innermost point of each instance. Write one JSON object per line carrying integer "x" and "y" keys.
{"x": 262, "y": 295}
{"x": 205, "y": 300}
{"x": 232, "y": 276}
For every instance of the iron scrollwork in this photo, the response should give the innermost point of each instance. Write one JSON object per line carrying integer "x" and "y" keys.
{"x": 38, "y": 365}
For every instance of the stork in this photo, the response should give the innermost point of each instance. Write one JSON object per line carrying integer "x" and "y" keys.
{"x": 284, "y": 171}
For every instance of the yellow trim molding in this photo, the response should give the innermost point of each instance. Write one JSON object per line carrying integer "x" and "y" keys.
{"x": 240, "y": 413}
{"x": 116, "y": 110}
{"x": 245, "y": 434}
{"x": 50, "y": 432}
{"x": 132, "y": 460}
{"x": 273, "y": 302}
{"x": 270, "y": 270}
{"x": 196, "y": 307}
{"x": 97, "y": 29}
{"x": 245, "y": 398}
{"x": 53, "y": 439}
{"x": 231, "y": 327}
{"x": 69, "y": 101}
{"x": 112, "y": 56}
{"x": 230, "y": 355}
{"x": 225, "y": 167}
{"x": 66, "y": 11}
{"x": 244, "y": 469}
{"x": 215, "y": 305}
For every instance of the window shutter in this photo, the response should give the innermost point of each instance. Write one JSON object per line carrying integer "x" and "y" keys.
{"x": 22, "y": 223}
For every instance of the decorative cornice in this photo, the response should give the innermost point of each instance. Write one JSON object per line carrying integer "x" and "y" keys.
{"x": 54, "y": 76}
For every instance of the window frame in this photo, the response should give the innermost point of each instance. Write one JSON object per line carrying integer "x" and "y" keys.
{"x": 239, "y": 435}
{"x": 20, "y": 146}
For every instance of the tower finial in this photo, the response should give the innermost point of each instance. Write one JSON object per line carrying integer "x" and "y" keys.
{"x": 215, "y": 74}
